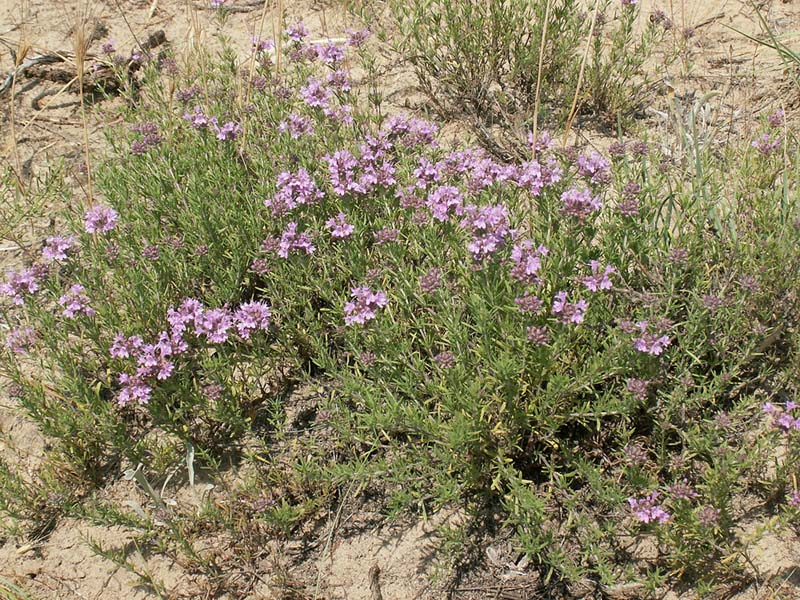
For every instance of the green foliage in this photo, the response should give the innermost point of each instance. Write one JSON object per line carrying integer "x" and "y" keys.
{"x": 462, "y": 374}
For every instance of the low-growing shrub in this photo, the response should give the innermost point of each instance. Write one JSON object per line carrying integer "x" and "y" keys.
{"x": 497, "y": 62}
{"x": 585, "y": 342}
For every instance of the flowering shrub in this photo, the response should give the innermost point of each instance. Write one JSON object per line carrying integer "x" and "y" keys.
{"x": 566, "y": 332}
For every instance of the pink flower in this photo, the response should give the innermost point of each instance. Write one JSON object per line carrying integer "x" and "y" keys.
{"x": 76, "y": 302}
{"x": 250, "y": 317}
{"x": 100, "y": 219}
{"x": 650, "y": 343}
{"x": 339, "y": 227}
{"x": 568, "y": 312}
{"x": 363, "y": 306}
{"x": 647, "y": 511}
{"x": 599, "y": 281}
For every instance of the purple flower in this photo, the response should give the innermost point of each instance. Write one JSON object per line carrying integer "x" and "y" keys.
{"x": 431, "y": 281}
{"x": 154, "y": 360}
{"x": 363, "y": 306}
{"x": 343, "y": 114}
{"x": 123, "y": 347}
{"x": 527, "y": 261}
{"x": 599, "y": 280}
{"x": 782, "y": 418}
{"x": 650, "y": 343}
{"x": 426, "y": 173}
{"x": 637, "y": 388}
{"x": 250, "y": 317}
{"x": 23, "y": 283}
{"x": 260, "y": 266}
{"x": 339, "y": 227}
{"x": 794, "y": 499}
{"x": 629, "y": 204}
{"x": 260, "y": 46}
{"x": 528, "y": 303}
{"x": 538, "y": 335}
{"x": 189, "y": 312}
{"x": 444, "y": 200}
{"x": 186, "y": 94}
{"x": 765, "y": 144}
{"x": 151, "y": 137}
{"x": 57, "y": 247}
{"x": 707, "y": 515}
{"x": 100, "y": 219}
{"x": 411, "y": 132}
{"x": 296, "y": 125}
{"x": 228, "y": 132}
{"x": 108, "y": 47}
{"x": 776, "y": 118}
{"x": 20, "y": 340}
{"x": 291, "y": 241}
{"x": 357, "y": 38}
{"x": 678, "y": 255}
{"x": 315, "y": 94}
{"x": 568, "y": 312}
{"x": 297, "y": 32}
{"x": 386, "y": 235}
{"x": 489, "y": 227}
{"x": 579, "y": 203}
{"x": 681, "y": 490}
{"x": 445, "y": 360}
{"x": 341, "y": 168}
{"x": 330, "y": 53}
{"x": 197, "y": 119}
{"x": 293, "y": 190}
{"x": 133, "y": 390}
{"x": 647, "y": 511}
{"x": 76, "y": 302}
{"x": 214, "y": 324}
{"x": 635, "y": 454}
{"x": 531, "y": 176}
{"x": 594, "y": 167}
{"x": 150, "y": 252}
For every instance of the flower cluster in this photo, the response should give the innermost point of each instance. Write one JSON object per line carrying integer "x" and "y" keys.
{"x": 783, "y": 417}
{"x": 56, "y": 248}
{"x": 594, "y": 167}
{"x": 647, "y": 509}
{"x": 293, "y": 189}
{"x": 568, "y": 312}
{"x": 526, "y": 261}
{"x": 20, "y": 340}
{"x": 580, "y": 204}
{"x": 339, "y": 227}
{"x": 489, "y": 228}
{"x": 151, "y": 138}
{"x": 363, "y": 306}
{"x": 156, "y": 361}
{"x": 599, "y": 280}
{"x": 650, "y": 343}
{"x": 766, "y": 144}
{"x": 76, "y": 302}
{"x": 23, "y": 283}
{"x": 100, "y": 219}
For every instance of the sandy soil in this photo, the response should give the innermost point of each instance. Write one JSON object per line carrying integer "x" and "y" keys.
{"x": 748, "y": 79}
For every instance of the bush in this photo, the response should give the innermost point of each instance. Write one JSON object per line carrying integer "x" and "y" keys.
{"x": 578, "y": 340}
{"x": 486, "y": 60}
